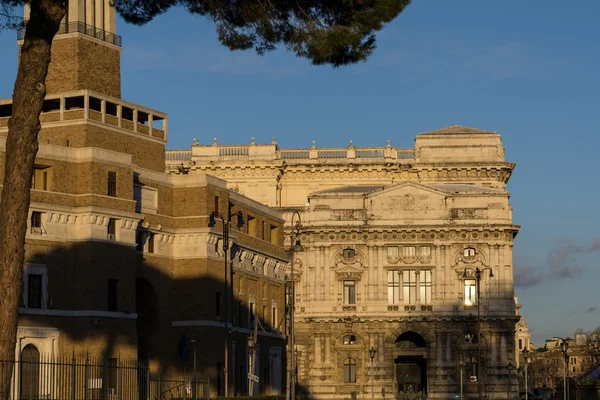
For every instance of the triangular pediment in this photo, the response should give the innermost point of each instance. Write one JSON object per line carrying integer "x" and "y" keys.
{"x": 409, "y": 187}
{"x": 457, "y": 130}
{"x": 408, "y": 197}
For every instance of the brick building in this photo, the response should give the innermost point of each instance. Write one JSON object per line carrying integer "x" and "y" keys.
{"x": 120, "y": 259}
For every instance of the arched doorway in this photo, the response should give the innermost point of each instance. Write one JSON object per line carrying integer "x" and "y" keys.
{"x": 410, "y": 365}
{"x": 30, "y": 372}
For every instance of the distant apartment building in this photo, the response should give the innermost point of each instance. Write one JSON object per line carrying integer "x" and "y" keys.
{"x": 397, "y": 242}
{"x": 121, "y": 261}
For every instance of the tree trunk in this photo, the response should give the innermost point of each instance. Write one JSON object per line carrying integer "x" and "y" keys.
{"x": 21, "y": 149}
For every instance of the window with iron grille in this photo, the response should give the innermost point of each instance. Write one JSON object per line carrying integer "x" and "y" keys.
{"x": 350, "y": 370}
{"x": 112, "y": 295}
{"x": 349, "y": 292}
{"x": 112, "y": 229}
{"x": 112, "y": 183}
{"x": 36, "y": 222}
{"x": 34, "y": 291}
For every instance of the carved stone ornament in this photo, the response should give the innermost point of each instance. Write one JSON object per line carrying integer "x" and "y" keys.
{"x": 350, "y": 268}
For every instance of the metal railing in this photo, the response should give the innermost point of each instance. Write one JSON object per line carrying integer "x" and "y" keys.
{"x": 81, "y": 27}
{"x": 45, "y": 377}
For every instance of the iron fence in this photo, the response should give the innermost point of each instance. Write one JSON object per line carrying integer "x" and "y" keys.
{"x": 81, "y": 27}
{"x": 44, "y": 377}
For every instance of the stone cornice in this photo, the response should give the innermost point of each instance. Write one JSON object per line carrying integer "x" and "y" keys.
{"x": 409, "y": 233}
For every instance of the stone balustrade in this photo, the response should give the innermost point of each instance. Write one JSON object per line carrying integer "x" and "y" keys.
{"x": 271, "y": 151}
{"x": 91, "y": 106}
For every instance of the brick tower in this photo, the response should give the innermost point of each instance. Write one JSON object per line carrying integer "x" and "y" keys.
{"x": 86, "y": 50}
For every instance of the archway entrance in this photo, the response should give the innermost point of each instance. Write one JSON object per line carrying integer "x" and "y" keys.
{"x": 410, "y": 366}
{"x": 30, "y": 372}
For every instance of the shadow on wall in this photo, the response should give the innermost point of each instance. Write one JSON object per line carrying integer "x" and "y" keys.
{"x": 105, "y": 301}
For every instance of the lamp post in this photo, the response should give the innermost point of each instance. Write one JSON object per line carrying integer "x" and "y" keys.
{"x": 226, "y": 225}
{"x": 372, "y": 352}
{"x": 478, "y": 272}
{"x": 526, "y": 359}
{"x": 564, "y": 347}
{"x": 510, "y": 368}
{"x": 193, "y": 342}
{"x": 295, "y": 247}
{"x": 461, "y": 363}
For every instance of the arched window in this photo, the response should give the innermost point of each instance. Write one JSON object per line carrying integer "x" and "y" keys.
{"x": 349, "y": 253}
{"x": 350, "y": 370}
{"x": 350, "y": 339}
{"x": 469, "y": 252}
{"x": 471, "y": 369}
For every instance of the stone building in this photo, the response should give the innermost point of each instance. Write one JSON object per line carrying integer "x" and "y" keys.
{"x": 120, "y": 259}
{"x": 393, "y": 240}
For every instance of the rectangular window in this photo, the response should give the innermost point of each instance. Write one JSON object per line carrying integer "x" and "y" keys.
{"x": 112, "y": 295}
{"x": 393, "y": 287}
{"x": 349, "y": 292}
{"x": 520, "y": 344}
{"x": 151, "y": 243}
{"x": 275, "y": 231}
{"x": 274, "y": 321}
{"x": 264, "y": 314}
{"x": 41, "y": 177}
{"x": 425, "y": 287}
{"x": 34, "y": 291}
{"x": 139, "y": 241}
{"x": 252, "y": 226}
{"x": 218, "y": 306}
{"x": 408, "y": 251}
{"x": 112, "y": 183}
{"x": 392, "y": 252}
{"x": 425, "y": 251}
{"x": 409, "y": 286}
{"x": 251, "y": 315}
{"x": 36, "y": 222}
{"x": 111, "y": 230}
{"x": 470, "y": 292}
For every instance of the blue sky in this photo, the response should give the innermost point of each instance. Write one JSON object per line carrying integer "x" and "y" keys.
{"x": 526, "y": 69}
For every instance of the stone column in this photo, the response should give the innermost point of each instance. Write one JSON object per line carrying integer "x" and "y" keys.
{"x": 381, "y": 349}
{"x": 448, "y": 348}
{"x": 381, "y": 290}
{"x": 438, "y": 293}
{"x": 327, "y": 277}
{"x": 370, "y": 272}
{"x": 438, "y": 349}
{"x": 502, "y": 273}
{"x": 315, "y": 273}
{"x": 494, "y": 349}
{"x": 448, "y": 283}
{"x": 503, "y": 349}
{"x": 327, "y": 349}
{"x": 418, "y": 289}
{"x": 318, "y": 359}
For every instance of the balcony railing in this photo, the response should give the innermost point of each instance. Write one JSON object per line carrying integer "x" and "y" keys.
{"x": 81, "y": 27}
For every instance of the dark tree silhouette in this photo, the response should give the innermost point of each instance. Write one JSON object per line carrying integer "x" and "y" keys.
{"x": 335, "y": 32}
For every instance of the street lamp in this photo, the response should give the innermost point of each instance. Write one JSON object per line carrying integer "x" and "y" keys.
{"x": 478, "y": 272}
{"x": 193, "y": 342}
{"x": 226, "y": 224}
{"x": 510, "y": 368}
{"x": 526, "y": 359}
{"x": 461, "y": 363}
{"x": 372, "y": 352}
{"x": 564, "y": 347}
{"x": 295, "y": 247}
